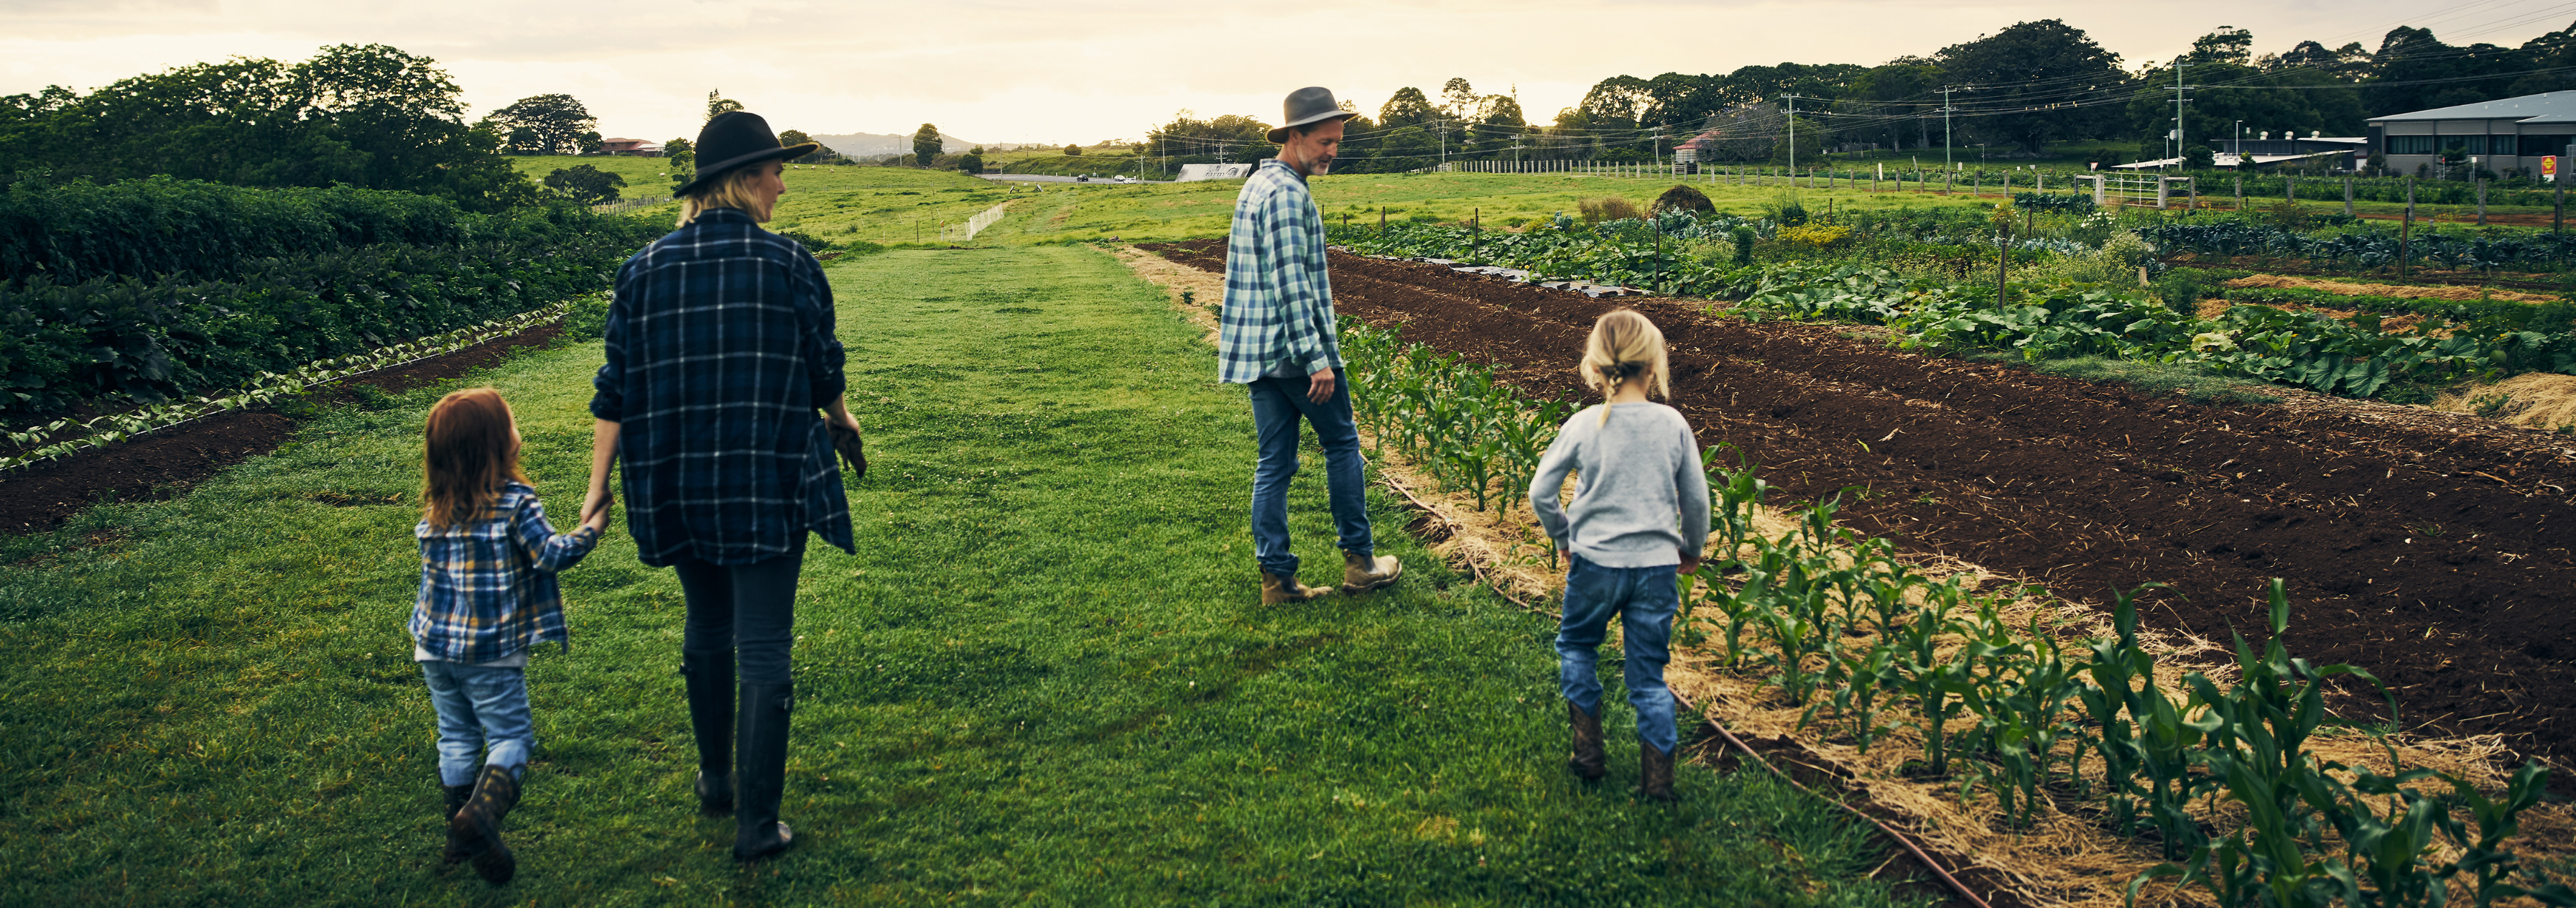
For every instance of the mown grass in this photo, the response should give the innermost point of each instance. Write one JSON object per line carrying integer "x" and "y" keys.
{"x": 1044, "y": 678}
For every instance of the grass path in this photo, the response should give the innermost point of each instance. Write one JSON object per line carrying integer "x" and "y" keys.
{"x": 1045, "y": 678}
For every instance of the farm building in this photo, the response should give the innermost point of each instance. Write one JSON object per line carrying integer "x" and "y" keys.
{"x": 2505, "y": 134}
{"x": 638, "y": 148}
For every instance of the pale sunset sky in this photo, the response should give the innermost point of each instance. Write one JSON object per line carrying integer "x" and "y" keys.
{"x": 1078, "y": 71}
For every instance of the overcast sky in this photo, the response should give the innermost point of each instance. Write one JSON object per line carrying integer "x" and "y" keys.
{"x": 1087, "y": 70}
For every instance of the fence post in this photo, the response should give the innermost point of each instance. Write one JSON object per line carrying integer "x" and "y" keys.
{"x": 2240, "y": 190}
{"x": 2290, "y": 189}
{"x": 2406, "y": 228}
{"x": 2347, "y": 197}
{"x": 2482, "y": 201}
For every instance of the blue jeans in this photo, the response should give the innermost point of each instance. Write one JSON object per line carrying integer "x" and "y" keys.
{"x": 482, "y": 718}
{"x": 1277, "y": 405}
{"x": 1645, "y": 599}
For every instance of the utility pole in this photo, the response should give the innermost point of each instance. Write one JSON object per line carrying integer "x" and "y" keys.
{"x": 2179, "y": 155}
{"x": 1793, "y": 132}
{"x": 1945, "y": 125}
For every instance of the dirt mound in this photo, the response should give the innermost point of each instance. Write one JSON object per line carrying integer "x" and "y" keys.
{"x": 2418, "y": 547}
{"x": 2407, "y": 291}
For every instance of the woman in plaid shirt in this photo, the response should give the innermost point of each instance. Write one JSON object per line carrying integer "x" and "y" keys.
{"x": 720, "y": 353}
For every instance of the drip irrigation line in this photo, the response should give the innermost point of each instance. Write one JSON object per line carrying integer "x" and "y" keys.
{"x": 1900, "y": 838}
{"x": 1908, "y": 844}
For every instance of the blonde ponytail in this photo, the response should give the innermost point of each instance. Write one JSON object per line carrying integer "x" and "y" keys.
{"x": 1623, "y": 346}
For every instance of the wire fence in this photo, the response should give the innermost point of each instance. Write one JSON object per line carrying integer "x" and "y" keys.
{"x": 958, "y": 233}
{"x": 630, "y": 204}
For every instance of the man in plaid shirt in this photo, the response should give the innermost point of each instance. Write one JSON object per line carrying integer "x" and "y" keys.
{"x": 1278, "y": 340}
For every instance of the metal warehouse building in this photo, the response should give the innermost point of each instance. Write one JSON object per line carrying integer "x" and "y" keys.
{"x": 2501, "y": 134}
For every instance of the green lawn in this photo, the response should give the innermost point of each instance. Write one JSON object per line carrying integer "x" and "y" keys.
{"x": 1045, "y": 678}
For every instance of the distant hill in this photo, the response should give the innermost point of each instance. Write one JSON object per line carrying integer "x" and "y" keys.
{"x": 864, "y": 144}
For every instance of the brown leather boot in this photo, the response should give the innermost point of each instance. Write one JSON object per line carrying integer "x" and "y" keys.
{"x": 458, "y": 847}
{"x": 1276, "y": 590}
{"x": 1588, "y": 761}
{"x": 478, "y": 824}
{"x": 1361, "y": 573}
{"x": 1655, "y": 775}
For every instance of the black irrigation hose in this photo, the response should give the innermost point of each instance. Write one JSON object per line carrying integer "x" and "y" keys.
{"x": 1908, "y": 844}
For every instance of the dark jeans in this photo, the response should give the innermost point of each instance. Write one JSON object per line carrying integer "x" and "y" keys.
{"x": 1644, "y": 600}
{"x": 1277, "y": 406}
{"x": 748, "y": 608}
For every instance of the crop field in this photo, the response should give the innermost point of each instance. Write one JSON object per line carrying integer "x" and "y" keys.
{"x": 2100, "y": 558}
{"x": 1046, "y": 676}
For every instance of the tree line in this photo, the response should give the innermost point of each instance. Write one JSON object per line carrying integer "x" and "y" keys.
{"x": 2013, "y": 92}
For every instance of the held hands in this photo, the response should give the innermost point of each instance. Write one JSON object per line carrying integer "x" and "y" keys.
{"x": 1319, "y": 386}
{"x": 596, "y": 505}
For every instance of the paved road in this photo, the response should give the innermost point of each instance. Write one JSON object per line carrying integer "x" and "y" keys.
{"x": 1047, "y": 178}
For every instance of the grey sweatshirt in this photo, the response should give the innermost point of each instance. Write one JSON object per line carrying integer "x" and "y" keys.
{"x": 1641, "y": 500}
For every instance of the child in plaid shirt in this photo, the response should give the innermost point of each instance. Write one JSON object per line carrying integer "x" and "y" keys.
{"x": 488, "y": 560}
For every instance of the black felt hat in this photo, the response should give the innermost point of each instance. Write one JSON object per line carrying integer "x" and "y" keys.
{"x": 1312, "y": 104}
{"x": 736, "y": 139}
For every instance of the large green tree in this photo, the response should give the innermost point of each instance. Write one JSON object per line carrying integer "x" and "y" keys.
{"x": 365, "y": 115}
{"x": 2036, "y": 82}
{"x": 544, "y": 124}
{"x": 926, "y": 143}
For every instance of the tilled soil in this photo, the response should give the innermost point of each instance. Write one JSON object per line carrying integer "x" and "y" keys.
{"x": 165, "y": 463}
{"x": 2418, "y": 552}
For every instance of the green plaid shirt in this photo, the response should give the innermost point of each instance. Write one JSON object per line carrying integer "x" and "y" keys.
{"x": 1278, "y": 300}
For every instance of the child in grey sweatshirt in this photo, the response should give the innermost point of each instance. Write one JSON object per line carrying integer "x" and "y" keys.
{"x": 1639, "y": 517}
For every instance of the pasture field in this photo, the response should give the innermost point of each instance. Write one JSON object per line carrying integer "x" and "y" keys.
{"x": 1044, "y": 677}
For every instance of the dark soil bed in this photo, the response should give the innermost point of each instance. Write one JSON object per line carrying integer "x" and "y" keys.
{"x": 170, "y": 461}
{"x": 2419, "y": 552}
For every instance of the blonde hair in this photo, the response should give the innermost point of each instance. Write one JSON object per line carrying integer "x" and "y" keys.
{"x": 732, "y": 190}
{"x": 469, "y": 455}
{"x": 1625, "y": 347}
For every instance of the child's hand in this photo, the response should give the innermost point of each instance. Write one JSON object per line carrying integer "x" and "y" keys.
{"x": 1690, "y": 561}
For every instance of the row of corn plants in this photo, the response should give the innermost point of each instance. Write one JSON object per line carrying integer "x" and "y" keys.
{"x": 64, "y": 437}
{"x": 1866, "y": 647}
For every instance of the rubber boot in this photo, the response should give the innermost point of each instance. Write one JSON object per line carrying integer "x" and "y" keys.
{"x": 457, "y": 795}
{"x": 1362, "y": 573}
{"x": 1277, "y": 590}
{"x": 763, "y": 772}
{"x": 1655, "y": 774}
{"x": 711, "y": 693}
{"x": 479, "y": 824}
{"x": 1588, "y": 761}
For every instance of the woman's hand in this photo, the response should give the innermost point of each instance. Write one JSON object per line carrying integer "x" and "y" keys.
{"x": 597, "y": 520}
{"x": 603, "y": 456}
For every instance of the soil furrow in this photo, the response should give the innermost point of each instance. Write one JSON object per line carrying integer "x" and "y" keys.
{"x": 2421, "y": 555}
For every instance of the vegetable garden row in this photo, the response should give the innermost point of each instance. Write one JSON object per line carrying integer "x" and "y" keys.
{"x": 2219, "y": 776}
{"x": 146, "y": 291}
{"x": 2042, "y": 319}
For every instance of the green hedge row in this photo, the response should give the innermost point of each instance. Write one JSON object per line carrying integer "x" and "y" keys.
{"x": 72, "y": 232}
{"x": 357, "y": 269}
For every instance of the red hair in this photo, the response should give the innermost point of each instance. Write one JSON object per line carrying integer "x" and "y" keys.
{"x": 471, "y": 451}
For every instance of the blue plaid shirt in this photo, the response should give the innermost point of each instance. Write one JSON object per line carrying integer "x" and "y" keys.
{"x": 1278, "y": 300}
{"x": 720, "y": 351}
{"x": 487, "y": 586}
